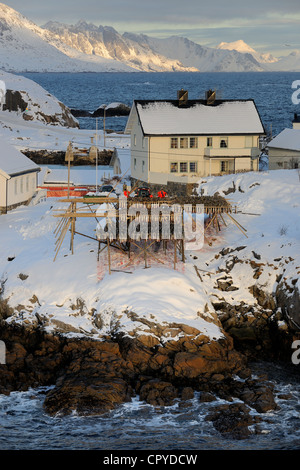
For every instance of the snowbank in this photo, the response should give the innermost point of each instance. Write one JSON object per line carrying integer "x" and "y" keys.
{"x": 70, "y": 291}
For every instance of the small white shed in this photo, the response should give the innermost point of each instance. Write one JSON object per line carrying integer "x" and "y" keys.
{"x": 18, "y": 177}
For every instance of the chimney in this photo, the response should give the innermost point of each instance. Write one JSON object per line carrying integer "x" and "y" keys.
{"x": 210, "y": 97}
{"x": 182, "y": 96}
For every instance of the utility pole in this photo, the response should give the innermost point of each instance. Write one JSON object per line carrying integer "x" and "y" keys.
{"x": 96, "y": 155}
{"x": 104, "y": 107}
{"x": 69, "y": 156}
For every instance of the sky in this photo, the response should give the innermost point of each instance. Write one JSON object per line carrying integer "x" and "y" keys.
{"x": 266, "y": 25}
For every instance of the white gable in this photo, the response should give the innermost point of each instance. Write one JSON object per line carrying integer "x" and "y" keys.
{"x": 288, "y": 139}
{"x": 228, "y": 117}
{"x": 12, "y": 161}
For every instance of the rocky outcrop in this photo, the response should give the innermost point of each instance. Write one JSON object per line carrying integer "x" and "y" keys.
{"x": 20, "y": 101}
{"x": 94, "y": 376}
{"x": 288, "y": 299}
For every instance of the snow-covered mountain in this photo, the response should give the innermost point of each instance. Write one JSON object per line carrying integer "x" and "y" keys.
{"x": 205, "y": 59}
{"x": 244, "y": 48}
{"x": 148, "y": 53}
{"x": 85, "y": 47}
{"x": 289, "y": 63}
{"x": 105, "y": 41}
{"x": 24, "y": 46}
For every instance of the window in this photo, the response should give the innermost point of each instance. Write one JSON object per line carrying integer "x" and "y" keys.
{"x": 193, "y": 167}
{"x": 22, "y": 185}
{"x": 209, "y": 142}
{"x": 224, "y": 142}
{"x": 134, "y": 139}
{"x": 174, "y": 167}
{"x": 27, "y": 184}
{"x": 174, "y": 143}
{"x": 134, "y": 163}
{"x": 193, "y": 143}
{"x": 143, "y": 166}
{"x": 16, "y": 186}
{"x": 184, "y": 142}
{"x": 183, "y": 167}
{"x": 224, "y": 165}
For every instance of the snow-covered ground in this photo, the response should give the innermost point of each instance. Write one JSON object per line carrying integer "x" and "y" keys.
{"x": 75, "y": 289}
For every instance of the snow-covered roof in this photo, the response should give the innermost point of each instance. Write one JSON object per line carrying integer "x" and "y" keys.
{"x": 197, "y": 118}
{"x": 287, "y": 139}
{"x": 13, "y": 162}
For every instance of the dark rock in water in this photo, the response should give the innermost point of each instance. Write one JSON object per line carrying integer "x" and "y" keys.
{"x": 80, "y": 113}
{"x": 232, "y": 420}
{"x": 119, "y": 109}
{"x": 158, "y": 393}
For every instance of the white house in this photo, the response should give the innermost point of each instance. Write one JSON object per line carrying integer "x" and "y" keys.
{"x": 178, "y": 141}
{"x": 18, "y": 177}
{"x": 284, "y": 149}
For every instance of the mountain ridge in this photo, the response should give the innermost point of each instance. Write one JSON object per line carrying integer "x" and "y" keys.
{"x": 85, "y": 47}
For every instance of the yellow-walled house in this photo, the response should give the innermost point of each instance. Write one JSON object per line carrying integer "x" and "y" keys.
{"x": 284, "y": 149}
{"x": 18, "y": 177}
{"x": 178, "y": 141}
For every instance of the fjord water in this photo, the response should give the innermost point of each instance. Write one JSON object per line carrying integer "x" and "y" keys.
{"x": 136, "y": 425}
{"x": 272, "y": 91}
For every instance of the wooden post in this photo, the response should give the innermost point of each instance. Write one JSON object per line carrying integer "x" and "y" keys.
{"x": 108, "y": 254}
{"x": 145, "y": 252}
{"x": 175, "y": 253}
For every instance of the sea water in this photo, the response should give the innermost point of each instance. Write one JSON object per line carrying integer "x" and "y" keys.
{"x": 271, "y": 91}
{"x": 137, "y": 426}
{"x": 24, "y": 425}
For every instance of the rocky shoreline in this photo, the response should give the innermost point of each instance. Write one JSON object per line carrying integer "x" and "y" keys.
{"x": 92, "y": 376}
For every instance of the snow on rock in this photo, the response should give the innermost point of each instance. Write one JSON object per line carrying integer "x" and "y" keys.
{"x": 32, "y": 102}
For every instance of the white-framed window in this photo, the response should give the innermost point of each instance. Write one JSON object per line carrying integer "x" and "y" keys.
{"x": 224, "y": 142}
{"x": 143, "y": 166}
{"x": 183, "y": 167}
{"x": 193, "y": 167}
{"x": 174, "y": 143}
{"x": 193, "y": 142}
{"x": 134, "y": 163}
{"x": 173, "y": 167}
{"x": 134, "y": 139}
{"x": 27, "y": 184}
{"x": 22, "y": 185}
{"x": 209, "y": 142}
{"x": 184, "y": 142}
{"x": 224, "y": 165}
{"x": 16, "y": 187}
